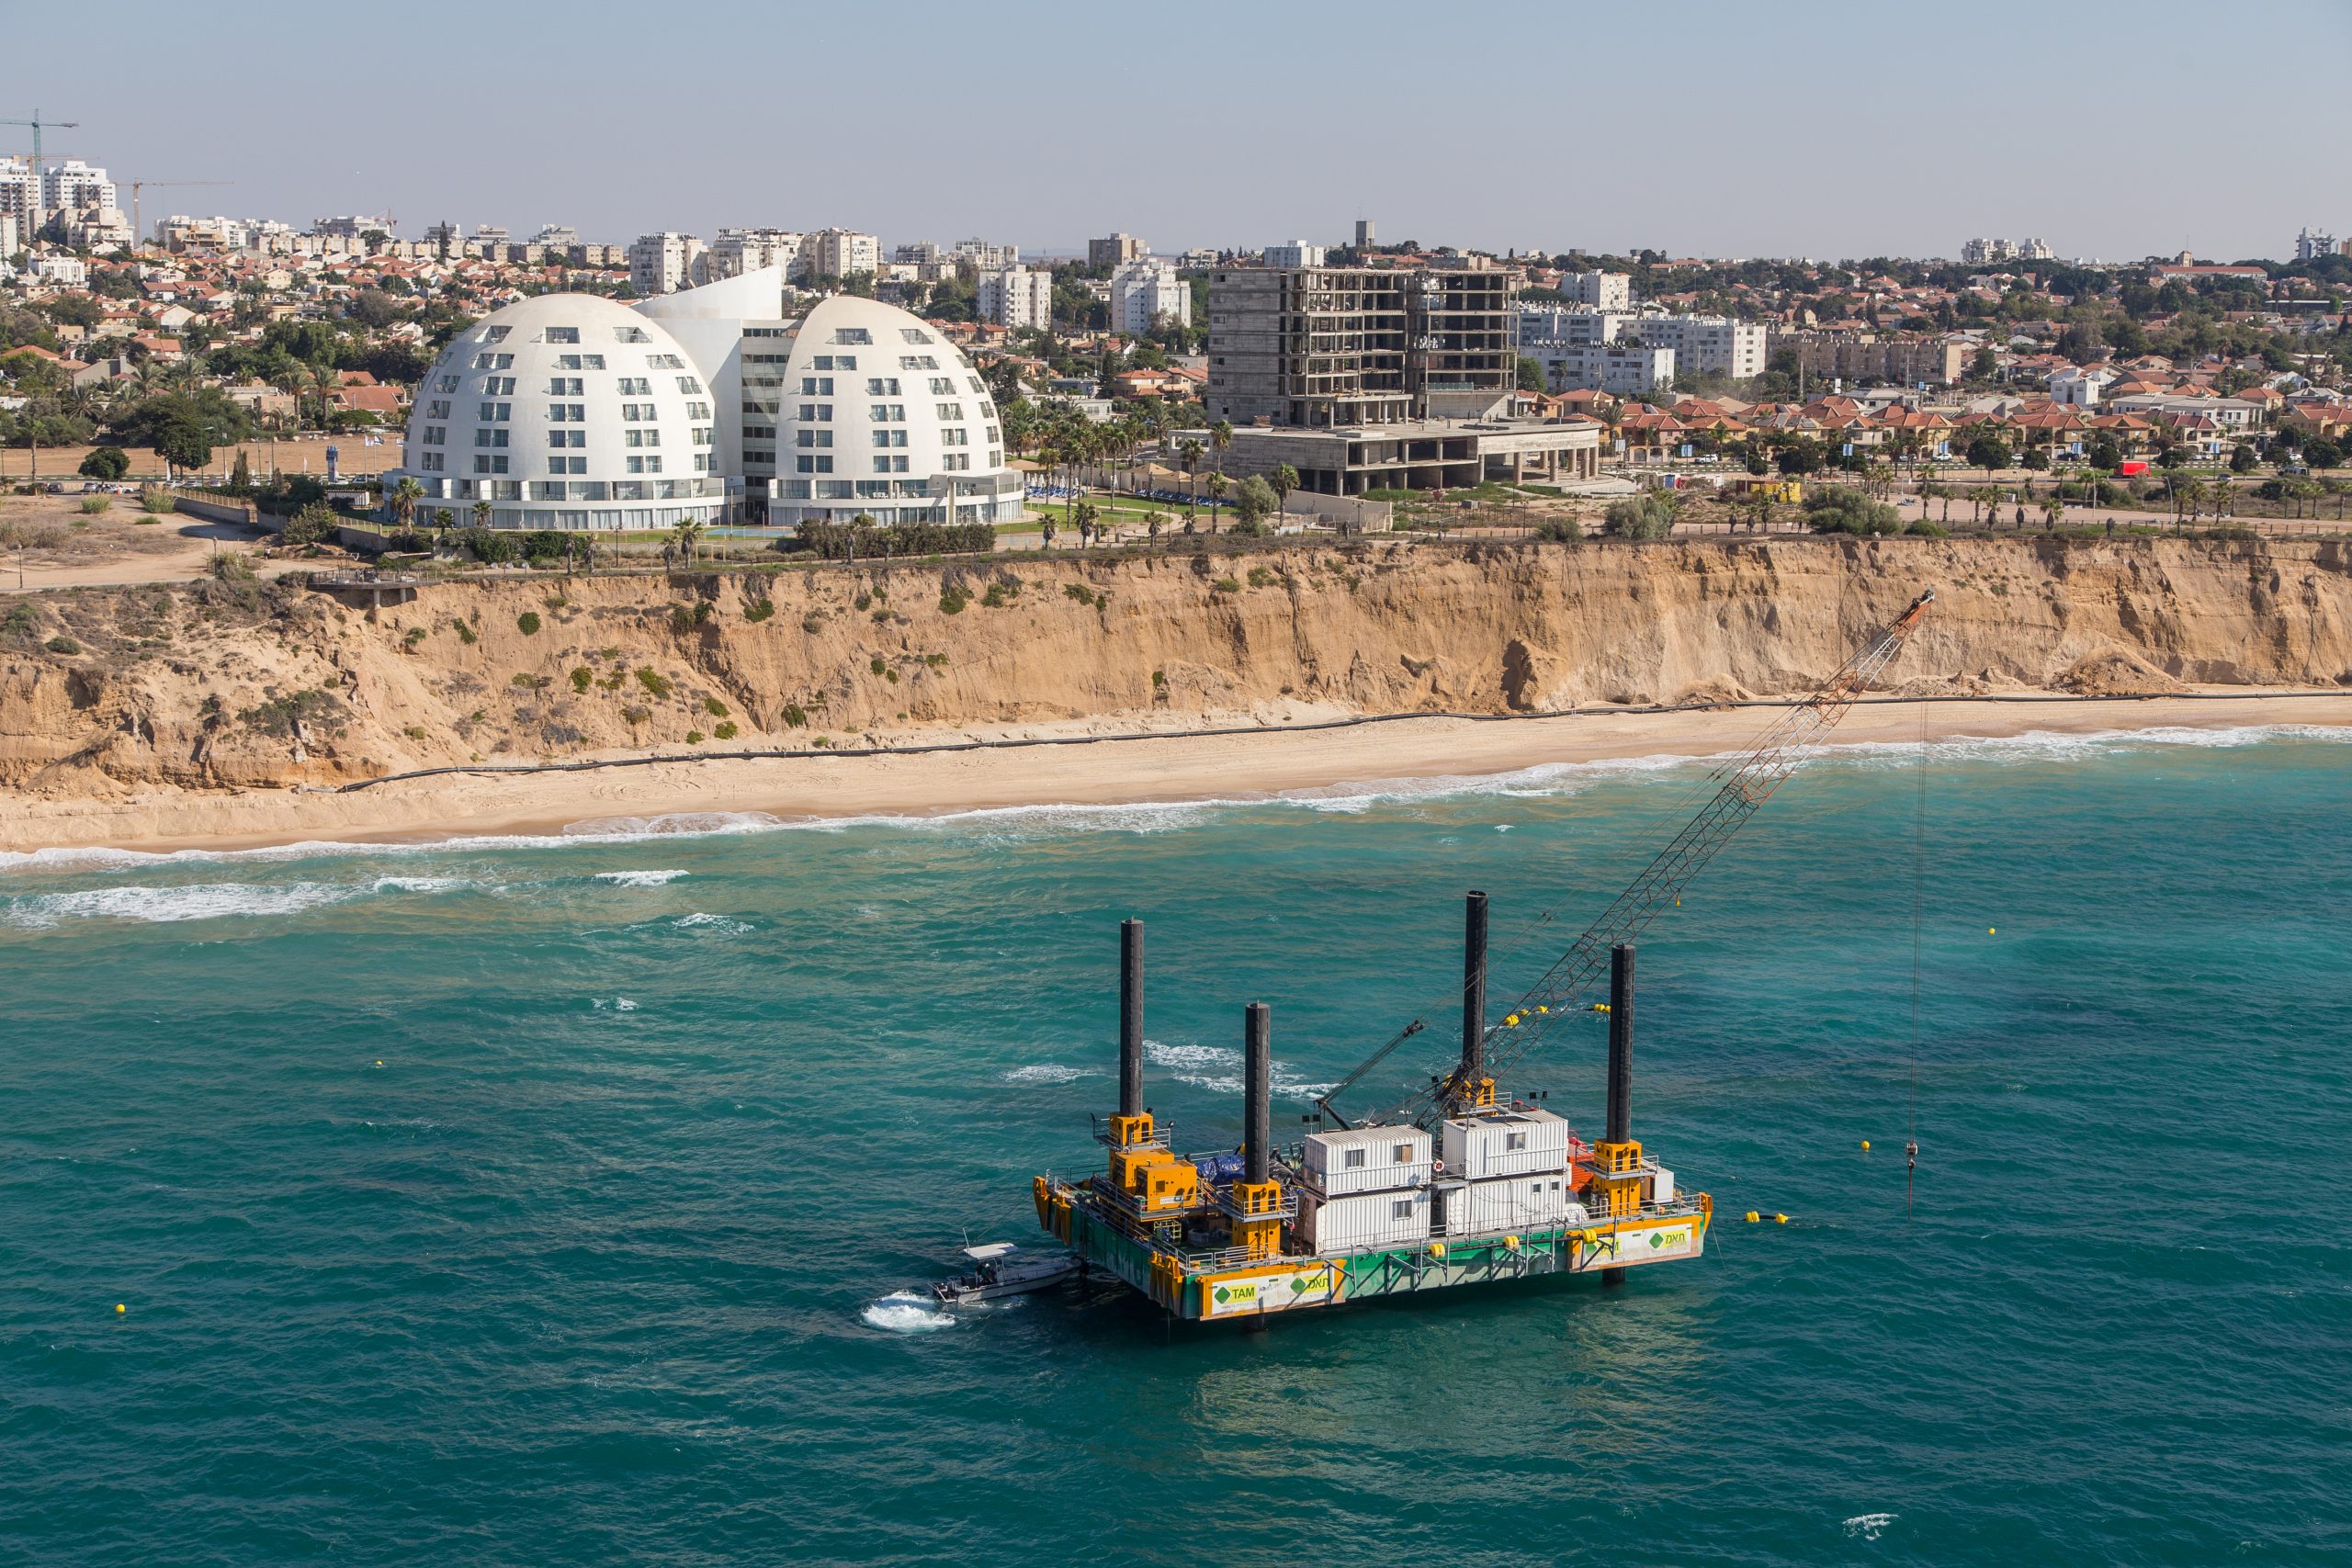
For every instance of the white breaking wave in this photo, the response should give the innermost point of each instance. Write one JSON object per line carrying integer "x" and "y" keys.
{"x": 1867, "y": 1527}
{"x": 200, "y": 901}
{"x": 1217, "y": 1068}
{"x": 422, "y": 883}
{"x": 717, "y": 923}
{"x": 903, "y": 1312}
{"x": 1050, "y": 1072}
{"x": 638, "y": 878}
{"x": 1545, "y": 780}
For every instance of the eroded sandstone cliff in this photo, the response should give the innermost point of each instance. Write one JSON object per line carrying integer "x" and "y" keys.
{"x": 228, "y": 686}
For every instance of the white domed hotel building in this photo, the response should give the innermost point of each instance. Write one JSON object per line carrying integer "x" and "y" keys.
{"x": 711, "y": 404}
{"x": 566, "y": 410}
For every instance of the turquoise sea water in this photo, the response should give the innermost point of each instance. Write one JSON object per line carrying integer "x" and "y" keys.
{"x": 601, "y": 1263}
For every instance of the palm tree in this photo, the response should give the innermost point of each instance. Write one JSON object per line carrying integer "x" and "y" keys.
{"x": 1151, "y": 528}
{"x": 2052, "y": 510}
{"x": 1217, "y": 494}
{"x": 1188, "y": 454}
{"x": 1220, "y": 437}
{"x": 686, "y": 536}
{"x": 1284, "y": 480}
{"x": 403, "y": 500}
{"x": 482, "y": 513}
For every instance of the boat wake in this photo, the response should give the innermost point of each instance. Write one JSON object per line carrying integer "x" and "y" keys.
{"x": 903, "y": 1312}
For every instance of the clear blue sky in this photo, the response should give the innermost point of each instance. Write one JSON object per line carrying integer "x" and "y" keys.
{"x": 1802, "y": 127}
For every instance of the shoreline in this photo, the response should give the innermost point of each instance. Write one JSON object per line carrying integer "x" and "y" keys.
{"x": 1143, "y": 768}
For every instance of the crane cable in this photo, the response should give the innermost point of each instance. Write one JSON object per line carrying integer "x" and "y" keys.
{"x": 1749, "y": 779}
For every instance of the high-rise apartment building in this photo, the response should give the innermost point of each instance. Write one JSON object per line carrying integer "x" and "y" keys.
{"x": 1114, "y": 249}
{"x": 737, "y": 251}
{"x": 1600, "y": 290}
{"x": 1345, "y": 346}
{"x": 840, "y": 253}
{"x": 1016, "y": 297}
{"x": 2313, "y": 243}
{"x": 1365, "y": 237}
{"x": 1145, "y": 290}
{"x": 663, "y": 263}
{"x": 1296, "y": 253}
{"x": 1702, "y": 345}
{"x": 1987, "y": 253}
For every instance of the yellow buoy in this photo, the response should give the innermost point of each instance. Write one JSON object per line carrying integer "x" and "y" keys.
{"x": 120, "y": 1308}
{"x": 1989, "y": 929}
{"x": 1779, "y": 1219}
{"x": 380, "y": 1061}
{"x": 1866, "y": 1142}
{"x": 1512, "y": 1019}
{"x": 1753, "y": 1216}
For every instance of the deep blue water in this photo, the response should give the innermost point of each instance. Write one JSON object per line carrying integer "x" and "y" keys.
{"x": 597, "y": 1266}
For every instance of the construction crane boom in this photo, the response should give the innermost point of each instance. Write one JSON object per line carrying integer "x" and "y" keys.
{"x": 138, "y": 234}
{"x": 40, "y": 125}
{"x": 1748, "y": 781}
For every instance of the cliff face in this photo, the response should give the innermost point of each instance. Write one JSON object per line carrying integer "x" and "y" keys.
{"x": 221, "y": 687}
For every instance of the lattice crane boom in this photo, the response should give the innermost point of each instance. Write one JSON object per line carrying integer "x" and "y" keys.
{"x": 1749, "y": 781}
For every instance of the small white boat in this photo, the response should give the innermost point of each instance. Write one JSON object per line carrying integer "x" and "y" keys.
{"x": 999, "y": 1269}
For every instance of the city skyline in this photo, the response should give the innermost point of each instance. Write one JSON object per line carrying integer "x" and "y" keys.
{"x": 1046, "y": 133}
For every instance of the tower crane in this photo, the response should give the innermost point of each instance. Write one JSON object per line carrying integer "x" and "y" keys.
{"x": 40, "y": 125}
{"x": 138, "y": 234}
{"x": 1748, "y": 781}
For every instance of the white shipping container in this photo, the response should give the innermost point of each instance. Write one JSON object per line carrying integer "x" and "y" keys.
{"x": 1512, "y": 1203}
{"x": 1366, "y": 1159}
{"x": 1396, "y": 1217}
{"x": 1508, "y": 1143}
{"x": 1662, "y": 1188}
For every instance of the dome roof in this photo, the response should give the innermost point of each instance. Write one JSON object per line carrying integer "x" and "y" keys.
{"x": 874, "y": 403}
{"x": 569, "y": 402}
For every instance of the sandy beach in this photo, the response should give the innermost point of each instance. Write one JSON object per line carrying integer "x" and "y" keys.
{"x": 1164, "y": 768}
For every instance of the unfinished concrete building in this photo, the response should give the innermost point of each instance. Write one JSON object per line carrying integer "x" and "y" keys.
{"x": 1337, "y": 347}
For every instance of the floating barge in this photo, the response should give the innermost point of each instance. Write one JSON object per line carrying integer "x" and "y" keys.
{"x": 1455, "y": 1185}
{"x": 1497, "y": 1189}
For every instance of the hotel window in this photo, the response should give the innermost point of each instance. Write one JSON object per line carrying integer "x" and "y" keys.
{"x": 689, "y": 386}
{"x": 943, "y": 386}
{"x": 437, "y": 408}
{"x": 852, "y": 335}
{"x": 485, "y": 463}
{"x": 898, "y": 465}
{"x": 817, "y": 386}
{"x": 490, "y": 438}
{"x": 563, "y": 334}
{"x": 702, "y": 462}
{"x": 567, "y": 439}
{"x": 698, "y": 411}
{"x": 881, "y": 465}
{"x": 446, "y": 384}
{"x": 435, "y": 434}
{"x": 636, "y": 334}
{"x": 495, "y": 334}
{"x": 564, "y": 386}
{"x": 636, "y": 387}
{"x": 988, "y": 409}
{"x": 498, "y": 387}
{"x": 914, "y": 334}
{"x": 817, "y": 411}
{"x": 950, "y": 410}
{"x": 954, "y": 461}
{"x": 993, "y": 436}
{"x": 953, "y": 438}
{"x": 492, "y": 361}
{"x": 645, "y": 464}
{"x": 833, "y": 490}
{"x": 567, "y": 464}
{"x": 557, "y": 413}
{"x": 432, "y": 462}
{"x": 812, "y": 438}
{"x": 702, "y": 436}
{"x": 996, "y": 458}
{"x": 580, "y": 361}
{"x": 977, "y": 385}
{"x": 918, "y": 362}
{"x": 882, "y": 386}
{"x": 641, "y": 438}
